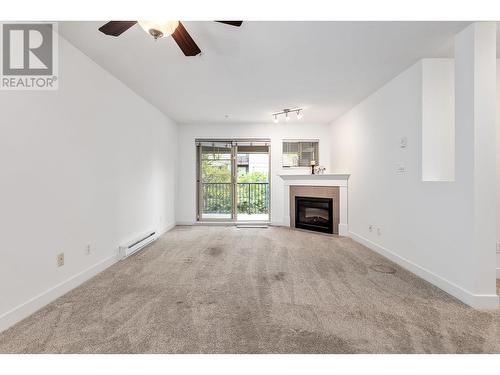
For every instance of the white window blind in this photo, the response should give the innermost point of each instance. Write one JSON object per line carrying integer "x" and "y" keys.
{"x": 300, "y": 153}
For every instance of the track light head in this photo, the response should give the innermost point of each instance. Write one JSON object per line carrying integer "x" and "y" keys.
{"x": 287, "y": 112}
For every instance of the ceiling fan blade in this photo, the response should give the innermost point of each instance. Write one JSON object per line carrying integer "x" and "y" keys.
{"x": 232, "y": 23}
{"x": 185, "y": 42}
{"x": 116, "y": 28}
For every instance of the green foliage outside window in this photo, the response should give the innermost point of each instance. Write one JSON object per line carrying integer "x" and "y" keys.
{"x": 252, "y": 189}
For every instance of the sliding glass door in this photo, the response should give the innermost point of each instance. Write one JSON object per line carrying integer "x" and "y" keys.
{"x": 252, "y": 182}
{"x": 216, "y": 181}
{"x": 233, "y": 180}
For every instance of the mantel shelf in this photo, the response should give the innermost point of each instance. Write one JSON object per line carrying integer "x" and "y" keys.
{"x": 286, "y": 176}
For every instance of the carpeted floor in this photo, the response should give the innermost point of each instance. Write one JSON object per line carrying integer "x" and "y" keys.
{"x": 228, "y": 290}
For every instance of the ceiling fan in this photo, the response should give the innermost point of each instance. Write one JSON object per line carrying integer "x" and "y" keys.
{"x": 160, "y": 29}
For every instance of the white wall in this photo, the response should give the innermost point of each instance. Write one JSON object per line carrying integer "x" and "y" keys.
{"x": 498, "y": 166}
{"x": 438, "y": 120}
{"x": 475, "y": 110}
{"x": 425, "y": 226}
{"x": 91, "y": 163}
{"x": 186, "y": 199}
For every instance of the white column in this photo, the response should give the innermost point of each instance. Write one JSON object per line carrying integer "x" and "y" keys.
{"x": 475, "y": 95}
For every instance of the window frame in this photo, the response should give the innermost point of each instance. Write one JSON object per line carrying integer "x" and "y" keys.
{"x": 299, "y": 140}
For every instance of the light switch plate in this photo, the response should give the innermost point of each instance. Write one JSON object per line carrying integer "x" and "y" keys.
{"x": 400, "y": 168}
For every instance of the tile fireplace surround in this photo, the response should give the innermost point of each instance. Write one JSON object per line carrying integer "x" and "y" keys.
{"x": 317, "y": 185}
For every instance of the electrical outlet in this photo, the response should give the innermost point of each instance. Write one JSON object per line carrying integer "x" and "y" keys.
{"x": 370, "y": 228}
{"x": 60, "y": 260}
{"x": 87, "y": 249}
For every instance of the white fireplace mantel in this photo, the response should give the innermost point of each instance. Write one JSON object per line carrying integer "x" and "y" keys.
{"x": 340, "y": 180}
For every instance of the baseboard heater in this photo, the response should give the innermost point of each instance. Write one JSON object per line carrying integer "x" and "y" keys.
{"x": 137, "y": 244}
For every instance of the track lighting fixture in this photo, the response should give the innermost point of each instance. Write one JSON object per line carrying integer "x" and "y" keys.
{"x": 286, "y": 112}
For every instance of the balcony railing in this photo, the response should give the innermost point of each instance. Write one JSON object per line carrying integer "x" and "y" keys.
{"x": 252, "y": 197}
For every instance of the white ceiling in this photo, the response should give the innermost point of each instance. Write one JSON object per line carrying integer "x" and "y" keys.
{"x": 262, "y": 67}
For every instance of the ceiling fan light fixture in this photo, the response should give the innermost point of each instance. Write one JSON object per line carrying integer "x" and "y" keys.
{"x": 299, "y": 114}
{"x": 275, "y": 119}
{"x": 159, "y": 29}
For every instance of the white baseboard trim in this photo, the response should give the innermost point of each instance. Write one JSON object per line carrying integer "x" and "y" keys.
{"x": 478, "y": 301}
{"x": 166, "y": 229}
{"x": 279, "y": 224}
{"x": 29, "y": 307}
{"x": 343, "y": 230}
{"x": 24, "y": 310}
{"x": 275, "y": 223}
{"x": 185, "y": 223}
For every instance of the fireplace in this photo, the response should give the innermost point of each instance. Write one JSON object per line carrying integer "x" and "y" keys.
{"x": 314, "y": 214}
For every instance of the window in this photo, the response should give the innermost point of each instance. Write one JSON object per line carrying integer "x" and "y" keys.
{"x": 233, "y": 180}
{"x": 300, "y": 153}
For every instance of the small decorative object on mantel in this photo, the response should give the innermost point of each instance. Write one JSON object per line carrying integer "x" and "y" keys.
{"x": 319, "y": 170}
{"x": 313, "y": 164}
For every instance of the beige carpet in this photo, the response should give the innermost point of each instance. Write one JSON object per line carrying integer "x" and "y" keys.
{"x": 276, "y": 290}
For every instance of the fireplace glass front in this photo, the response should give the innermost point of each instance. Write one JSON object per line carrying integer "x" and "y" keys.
{"x": 314, "y": 214}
